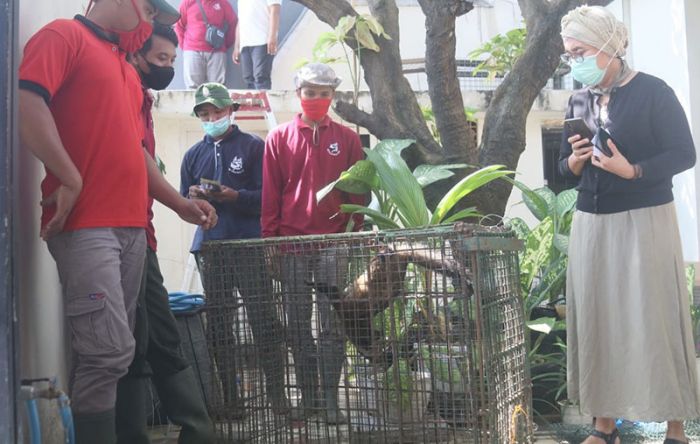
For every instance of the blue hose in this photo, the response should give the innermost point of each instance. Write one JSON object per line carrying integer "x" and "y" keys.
{"x": 66, "y": 418}
{"x": 33, "y": 418}
{"x": 185, "y": 302}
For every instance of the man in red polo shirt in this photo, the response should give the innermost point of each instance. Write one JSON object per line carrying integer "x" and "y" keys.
{"x": 301, "y": 157}
{"x": 79, "y": 105}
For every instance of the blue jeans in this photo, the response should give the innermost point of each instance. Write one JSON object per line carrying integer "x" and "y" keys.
{"x": 256, "y": 65}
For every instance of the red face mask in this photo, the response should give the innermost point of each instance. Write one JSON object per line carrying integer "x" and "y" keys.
{"x": 132, "y": 41}
{"x": 315, "y": 109}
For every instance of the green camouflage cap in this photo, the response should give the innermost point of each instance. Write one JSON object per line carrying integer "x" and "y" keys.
{"x": 215, "y": 94}
{"x": 167, "y": 14}
{"x": 318, "y": 74}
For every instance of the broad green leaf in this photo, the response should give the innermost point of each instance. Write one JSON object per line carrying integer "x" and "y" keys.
{"x": 400, "y": 185}
{"x": 535, "y": 203}
{"x": 324, "y": 42}
{"x": 323, "y": 192}
{"x": 561, "y": 242}
{"x": 566, "y": 201}
{"x": 378, "y": 218}
{"x": 393, "y": 145}
{"x": 375, "y": 26}
{"x": 542, "y": 325}
{"x": 301, "y": 63}
{"x": 428, "y": 174}
{"x": 360, "y": 178}
{"x": 520, "y": 227}
{"x": 549, "y": 197}
{"x": 344, "y": 26}
{"x": 364, "y": 36}
{"x": 463, "y": 214}
{"x": 464, "y": 187}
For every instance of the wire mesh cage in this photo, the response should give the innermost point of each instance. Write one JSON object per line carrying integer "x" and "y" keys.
{"x": 400, "y": 336}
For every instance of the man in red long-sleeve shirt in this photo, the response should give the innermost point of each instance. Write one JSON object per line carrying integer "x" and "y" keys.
{"x": 203, "y": 62}
{"x": 301, "y": 157}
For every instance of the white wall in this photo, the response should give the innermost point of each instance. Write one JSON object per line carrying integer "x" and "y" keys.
{"x": 43, "y": 351}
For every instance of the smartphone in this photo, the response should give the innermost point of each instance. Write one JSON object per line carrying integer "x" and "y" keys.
{"x": 600, "y": 143}
{"x": 577, "y": 125}
{"x": 210, "y": 185}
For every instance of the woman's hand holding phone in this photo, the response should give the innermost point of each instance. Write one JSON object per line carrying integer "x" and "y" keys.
{"x": 581, "y": 152}
{"x": 616, "y": 163}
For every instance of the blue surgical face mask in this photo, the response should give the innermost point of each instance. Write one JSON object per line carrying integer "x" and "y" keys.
{"x": 218, "y": 127}
{"x": 587, "y": 71}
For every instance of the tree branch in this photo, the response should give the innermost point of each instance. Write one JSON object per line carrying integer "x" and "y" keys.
{"x": 329, "y": 11}
{"x": 443, "y": 84}
{"x": 503, "y": 137}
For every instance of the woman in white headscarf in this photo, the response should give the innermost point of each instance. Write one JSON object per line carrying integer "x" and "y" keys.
{"x": 630, "y": 344}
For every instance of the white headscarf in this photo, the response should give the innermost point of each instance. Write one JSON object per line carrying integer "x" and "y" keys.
{"x": 598, "y": 27}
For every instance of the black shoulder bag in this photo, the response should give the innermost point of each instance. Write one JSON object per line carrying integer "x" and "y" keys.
{"x": 215, "y": 36}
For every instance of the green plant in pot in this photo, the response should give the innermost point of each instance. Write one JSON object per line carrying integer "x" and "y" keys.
{"x": 543, "y": 266}
{"x": 398, "y": 202}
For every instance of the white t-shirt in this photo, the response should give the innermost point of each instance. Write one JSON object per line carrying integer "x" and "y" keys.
{"x": 253, "y": 21}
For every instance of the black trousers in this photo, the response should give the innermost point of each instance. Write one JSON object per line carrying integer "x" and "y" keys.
{"x": 157, "y": 339}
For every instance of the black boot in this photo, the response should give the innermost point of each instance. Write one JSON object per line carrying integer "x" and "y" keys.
{"x": 131, "y": 411}
{"x": 182, "y": 401}
{"x": 95, "y": 428}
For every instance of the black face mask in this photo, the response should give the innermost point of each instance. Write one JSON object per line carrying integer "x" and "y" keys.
{"x": 159, "y": 78}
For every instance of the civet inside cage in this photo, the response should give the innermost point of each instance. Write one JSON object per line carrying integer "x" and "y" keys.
{"x": 400, "y": 336}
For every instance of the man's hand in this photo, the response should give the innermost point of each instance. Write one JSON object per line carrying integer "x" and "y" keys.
{"x": 272, "y": 45}
{"x": 196, "y": 192}
{"x": 616, "y": 164}
{"x": 226, "y": 194}
{"x": 198, "y": 212}
{"x": 64, "y": 199}
{"x": 236, "y": 55}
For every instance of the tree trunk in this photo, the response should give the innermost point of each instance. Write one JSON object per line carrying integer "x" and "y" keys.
{"x": 503, "y": 137}
{"x": 396, "y": 113}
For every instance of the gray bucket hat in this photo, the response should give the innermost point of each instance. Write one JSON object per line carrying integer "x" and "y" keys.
{"x": 318, "y": 74}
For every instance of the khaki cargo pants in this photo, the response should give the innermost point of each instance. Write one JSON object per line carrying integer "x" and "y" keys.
{"x": 100, "y": 271}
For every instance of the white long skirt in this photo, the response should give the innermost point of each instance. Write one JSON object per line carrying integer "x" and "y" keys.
{"x": 630, "y": 343}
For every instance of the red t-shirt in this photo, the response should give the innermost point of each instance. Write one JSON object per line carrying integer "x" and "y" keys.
{"x": 95, "y": 98}
{"x": 294, "y": 170}
{"x": 149, "y": 143}
{"x": 191, "y": 29}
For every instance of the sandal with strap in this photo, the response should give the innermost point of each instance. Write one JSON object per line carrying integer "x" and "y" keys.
{"x": 609, "y": 438}
{"x": 675, "y": 441}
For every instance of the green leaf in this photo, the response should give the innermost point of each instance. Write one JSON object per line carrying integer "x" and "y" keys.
{"x": 383, "y": 222}
{"x": 561, "y": 242}
{"x": 463, "y": 214}
{"x": 520, "y": 227}
{"x": 364, "y": 36}
{"x": 375, "y": 26}
{"x": 428, "y": 174}
{"x": 324, "y": 43}
{"x": 566, "y": 202}
{"x": 542, "y": 325}
{"x": 345, "y": 24}
{"x": 399, "y": 183}
{"x": 464, "y": 187}
{"x": 535, "y": 203}
{"x": 360, "y": 178}
{"x": 393, "y": 145}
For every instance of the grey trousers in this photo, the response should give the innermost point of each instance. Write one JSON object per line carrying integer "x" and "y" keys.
{"x": 100, "y": 271}
{"x": 202, "y": 67}
{"x": 326, "y": 268}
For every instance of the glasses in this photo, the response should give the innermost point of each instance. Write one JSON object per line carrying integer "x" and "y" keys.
{"x": 571, "y": 58}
